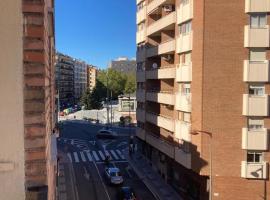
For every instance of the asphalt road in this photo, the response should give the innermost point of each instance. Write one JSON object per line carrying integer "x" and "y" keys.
{"x": 82, "y": 158}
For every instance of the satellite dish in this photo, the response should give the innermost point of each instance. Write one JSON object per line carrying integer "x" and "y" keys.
{"x": 154, "y": 66}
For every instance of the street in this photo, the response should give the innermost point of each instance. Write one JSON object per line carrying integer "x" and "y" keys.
{"x": 81, "y": 164}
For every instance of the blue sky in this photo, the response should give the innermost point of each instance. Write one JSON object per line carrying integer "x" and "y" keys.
{"x": 96, "y": 31}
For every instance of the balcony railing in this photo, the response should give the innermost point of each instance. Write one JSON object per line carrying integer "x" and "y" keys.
{"x": 185, "y": 12}
{"x": 184, "y": 72}
{"x": 257, "y": 6}
{"x": 163, "y": 48}
{"x": 140, "y": 36}
{"x": 162, "y": 23}
{"x": 256, "y": 37}
{"x": 182, "y": 130}
{"x": 141, "y": 15}
{"x": 256, "y": 71}
{"x": 140, "y": 76}
{"x": 254, "y": 105}
{"x": 161, "y": 73}
{"x": 254, "y": 139}
{"x": 140, "y": 57}
{"x": 140, "y": 133}
{"x": 140, "y": 95}
{"x": 153, "y": 5}
{"x": 184, "y": 42}
{"x": 140, "y": 115}
{"x": 182, "y": 157}
{"x": 254, "y": 170}
{"x": 161, "y": 97}
{"x": 183, "y": 102}
{"x": 161, "y": 121}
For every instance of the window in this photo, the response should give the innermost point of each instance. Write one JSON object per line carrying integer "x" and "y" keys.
{"x": 184, "y": 2}
{"x": 255, "y": 124}
{"x": 185, "y": 28}
{"x": 186, "y": 89}
{"x": 254, "y": 157}
{"x": 258, "y": 20}
{"x": 257, "y": 54}
{"x": 257, "y": 90}
{"x": 186, "y": 117}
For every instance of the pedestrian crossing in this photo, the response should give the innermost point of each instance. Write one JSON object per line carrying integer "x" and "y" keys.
{"x": 95, "y": 156}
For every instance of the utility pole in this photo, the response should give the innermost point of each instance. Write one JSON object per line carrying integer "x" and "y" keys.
{"x": 111, "y": 109}
{"x": 107, "y": 99}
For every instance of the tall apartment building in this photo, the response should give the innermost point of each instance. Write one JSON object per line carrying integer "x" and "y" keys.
{"x": 65, "y": 80}
{"x": 204, "y": 66}
{"x": 124, "y": 65}
{"x": 28, "y": 145}
{"x": 91, "y": 76}
{"x": 80, "y": 79}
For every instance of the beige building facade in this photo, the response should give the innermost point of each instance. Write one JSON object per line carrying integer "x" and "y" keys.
{"x": 204, "y": 66}
{"x": 27, "y": 104}
{"x": 91, "y": 77}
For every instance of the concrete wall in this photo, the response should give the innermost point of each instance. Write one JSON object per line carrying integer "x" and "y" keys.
{"x": 11, "y": 101}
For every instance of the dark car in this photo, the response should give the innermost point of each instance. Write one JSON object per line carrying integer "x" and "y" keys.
{"x": 106, "y": 133}
{"x": 126, "y": 193}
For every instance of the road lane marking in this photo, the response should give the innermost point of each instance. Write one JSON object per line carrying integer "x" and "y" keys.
{"x": 95, "y": 155}
{"x": 70, "y": 158}
{"x": 119, "y": 161}
{"x": 120, "y": 154}
{"x": 76, "y": 157}
{"x": 83, "y": 157}
{"x": 89, "y": 156}
{"x": 114, "y": 154}
{"x": 101, "y": 155}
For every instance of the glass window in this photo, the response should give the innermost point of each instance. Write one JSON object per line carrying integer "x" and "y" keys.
{"x": 255, "y": 124}
{"x": 254, "y": 157}
{"x": 257, "y": 54}
{"x": 185, "y": 28}
{"x": 258, "y": 20}
{"x": 257, "y": 90}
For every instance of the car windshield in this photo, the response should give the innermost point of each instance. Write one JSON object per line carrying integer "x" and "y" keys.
{"x": 115, "y": 174}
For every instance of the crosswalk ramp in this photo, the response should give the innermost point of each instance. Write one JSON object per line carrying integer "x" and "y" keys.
{"x": 95, "y": 156}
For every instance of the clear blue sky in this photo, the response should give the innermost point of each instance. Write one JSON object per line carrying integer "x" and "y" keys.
{"x": 96, "y": 31}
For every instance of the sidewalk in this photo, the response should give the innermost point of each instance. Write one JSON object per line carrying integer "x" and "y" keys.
{"x": 160, "y": 189}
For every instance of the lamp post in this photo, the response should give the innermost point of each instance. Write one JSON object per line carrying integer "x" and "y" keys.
{"x": 196, "y": 132}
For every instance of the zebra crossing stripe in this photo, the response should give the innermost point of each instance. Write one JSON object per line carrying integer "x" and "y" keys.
{"x": 120, "y": 154}
{"x": 95, "y": 155}
{"x": 76, "y": 157}
{"x": 107, "y": 153}
{"x": 69, "y": 156}
{"x": 101, "y": 155}
{"x": 89, "y": 156}
{"x": 83, "y": 157}
{"x": 114, "y": 154}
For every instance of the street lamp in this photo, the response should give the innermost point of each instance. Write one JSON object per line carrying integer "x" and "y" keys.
{"x": 196, "y": 132}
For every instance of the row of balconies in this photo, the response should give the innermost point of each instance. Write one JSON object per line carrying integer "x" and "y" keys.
{"x": 171, "y": 150}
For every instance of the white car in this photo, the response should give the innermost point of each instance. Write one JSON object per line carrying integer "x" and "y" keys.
{"x": 106, "y": 133}
{"x": 113, "y": 175}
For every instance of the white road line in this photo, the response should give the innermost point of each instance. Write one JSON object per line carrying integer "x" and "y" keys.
{"x": 70, "y": 158}
{"x": 95, "y": 155}
{"x": 76, "y": 157}
{"x": 89, "y": 156}
{"x": 114, "y": 154}
{"x": 107, "y": 153}
{"x": 120, "y": 154}
{"x": 83, "y": 157}
{"x": 101, "y": 155}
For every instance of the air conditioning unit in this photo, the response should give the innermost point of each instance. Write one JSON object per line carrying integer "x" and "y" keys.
{"x": 167, "y": 57}
{"x": 168, "y": 8}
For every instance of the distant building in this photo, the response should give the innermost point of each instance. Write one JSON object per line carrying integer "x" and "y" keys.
{"x": 91, "y": 76}
{"x": 127, "y": 106}
{"x": 123, "y": 64}
{"x": 80, "y": 79}
{"x": 65, "y": 80}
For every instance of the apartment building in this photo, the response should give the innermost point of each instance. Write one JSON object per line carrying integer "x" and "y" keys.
{"x": 28, "y": 144}
{"x": 203, "y": 95}
{"x": 123, "y": 65}
{"x": 65, "y": 73}
{"x": 80, "y": 79}
{"x": 91, "y": 76}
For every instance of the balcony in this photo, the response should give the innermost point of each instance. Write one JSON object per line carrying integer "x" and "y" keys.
{"x": 254, "y": 139}
{"x": 140, "y": 95}
{"x": 140, "y": 76}
{"x": 160, "y": 121}
{"x": 257, "y": 6}
{"x": 141, "y": 15}
{"x": 255, "y": 105}
{"x": 161, "y": 97}
{"x": 184, "y": 42}
{"x": 182, "y": 130}
{"x": 165, "y": 23}
{"x": 183, "y": 102}
{"x": 256, "y": 71}
{"x": 164, "y": 48}
{"x": 161, "y": 73}
{"x": 140, "y": 115}
{"x": 153, "y": 5}
{"x": 160, "y": 144}
{"x": 185, "y": 12}
{"x": 140, "y": 36}
{"x": 254, "y": 170}
{"x": 182, "y": 157}
{"x": 140, "y": 57}
{"x": 256, "y": 37}
{"x": 184, "y": 72}
{"x": 140, "y": 133}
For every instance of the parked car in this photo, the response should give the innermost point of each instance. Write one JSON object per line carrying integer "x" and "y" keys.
{"x": 113, "y": 175}
{"x": 106, "y": 133}
{"x": 126, "y": 193}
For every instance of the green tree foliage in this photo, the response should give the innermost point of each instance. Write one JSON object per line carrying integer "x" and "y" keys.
{"x": 130, "y": 86}
{"x": 85, "y": 100}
